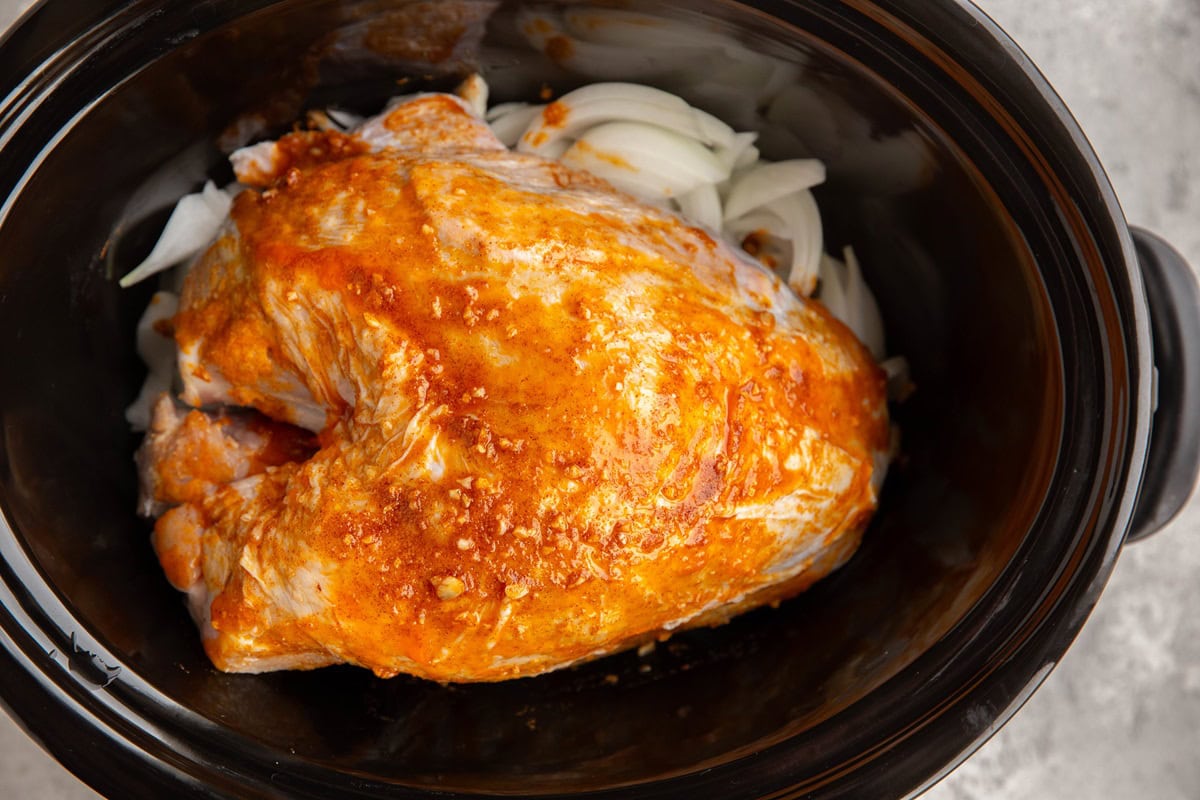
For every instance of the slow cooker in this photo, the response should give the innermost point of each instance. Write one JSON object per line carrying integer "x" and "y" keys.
{"x": 1052, "y": 348}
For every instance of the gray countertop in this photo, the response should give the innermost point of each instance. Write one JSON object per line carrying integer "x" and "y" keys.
{"x": 1120, "y": 716}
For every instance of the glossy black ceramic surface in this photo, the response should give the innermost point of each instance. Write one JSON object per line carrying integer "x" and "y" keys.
{"x": 1006, "y": 276}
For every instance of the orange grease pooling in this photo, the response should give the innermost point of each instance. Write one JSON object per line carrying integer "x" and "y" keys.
{"x": 606, "y": 391}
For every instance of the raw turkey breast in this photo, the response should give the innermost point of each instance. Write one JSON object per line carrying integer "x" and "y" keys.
{"x": 514, "y": 419}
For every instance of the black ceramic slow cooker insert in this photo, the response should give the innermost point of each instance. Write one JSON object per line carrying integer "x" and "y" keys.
{"x": 1006, "y": 275}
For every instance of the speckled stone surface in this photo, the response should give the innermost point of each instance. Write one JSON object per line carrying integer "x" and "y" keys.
{"x": 1120, "y": 717}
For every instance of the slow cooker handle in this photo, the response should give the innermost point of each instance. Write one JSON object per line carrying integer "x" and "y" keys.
{"x": 1173, "y": 460}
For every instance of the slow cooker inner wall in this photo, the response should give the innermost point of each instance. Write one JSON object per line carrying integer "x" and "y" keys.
{"x": 955, "y": 279}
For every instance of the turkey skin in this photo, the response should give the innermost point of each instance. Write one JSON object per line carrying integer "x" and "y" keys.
{"x": 506, "y": 418}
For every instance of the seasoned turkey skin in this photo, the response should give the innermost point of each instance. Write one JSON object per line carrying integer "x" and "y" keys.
{"x": 552, "y": 422}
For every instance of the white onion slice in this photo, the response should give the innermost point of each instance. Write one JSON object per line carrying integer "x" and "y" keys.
{"x": 320, "y": 121}
{"x": 775, "y": 246}
{"x": 846, "y": 295}
{"x": 346, "y": 120}
{"x": 741, "y": 153}
{"x": 193, "y": 225}
{"x": 474, "y": 90}
{"x": 747, "y": 159}
{"x": 556, "y": 151}
{"x": 501, "y": 109}
{"x": 803, "y": 219}
{"x": 643, "y": 185}
{"x": 644, "y": 141}
{"x": 760, "y": 219}
{"x": 764, "y": 184}
{"x": 797, "y": 219}
{"x": 576, "y": 111}
{"x": 158, "y": 353}
{"x": 702, "y": 205}
{"x": 867, "y": 322}
{"x": 156, "y": 350}
{"x": 661, "y": 150}
{"x": 510, "y": 124}
{"x": 672, "y": 162}
{"x": 832, "y": 291}
{"x": 625, "y": 92}
{"x": 331, "y": 119}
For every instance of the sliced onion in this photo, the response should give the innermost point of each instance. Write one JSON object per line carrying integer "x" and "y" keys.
{"x": 156, "y": 350}
{"x": 660, "y": 150}
{"x": 867, "y": 321}
{"x": 474, "y": 90}
{"x": 344, "y": 119}
{"x": 797, "y": 219}
{"x": 625, "y": 92}
{"x": 747, "y": 159}
{"x": 556, "y": 151}
{"x": 672, "y": 162}
{"x": 776, "y": 250}
{"x": 803, "y": 219}
{"x": 736, "y": 154}
{"x": 332, "y": 119}
{"x": 193, "y": 225}
{"x": 847, "y": 297}
{"x": 158, "y": 353}
{"x": 320, "y": 121}
{"x": 641, "y": 185}
{"x": 702, "y": 204}
{"x": 502, "y": 109}
{"x": 762, "y": 185}
{"x": 510, "y": 124}
{"x": 644, "y": 185}
{"x": 832, "y": 291}
{"x": 760, "y": 219}
{"x": 576, "y": 111}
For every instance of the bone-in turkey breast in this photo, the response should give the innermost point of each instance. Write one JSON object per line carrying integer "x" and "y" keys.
{"x": 552, "y": 422}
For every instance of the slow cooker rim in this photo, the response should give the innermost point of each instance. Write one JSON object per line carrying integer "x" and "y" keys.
{"x": 1098, "y": 564}
{"x": 1030, "y": 661}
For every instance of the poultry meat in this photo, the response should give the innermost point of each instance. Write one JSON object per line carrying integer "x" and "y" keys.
{"x": 498, "y": 417}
